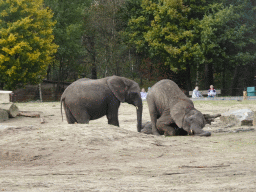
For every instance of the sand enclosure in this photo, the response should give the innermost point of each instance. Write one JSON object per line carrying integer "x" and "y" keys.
{"x": 56, "y": 156}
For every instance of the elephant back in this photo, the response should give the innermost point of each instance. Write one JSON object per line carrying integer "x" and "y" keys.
{"x": 166, "y": 92}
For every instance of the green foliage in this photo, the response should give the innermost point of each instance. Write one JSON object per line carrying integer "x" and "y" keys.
{"x": 26, "y": 42}
{"x": 227, "y": 34}
{"x": 68, "y": 33}
{"x": 106, "y": 53}
{"x": 168, "y": 30}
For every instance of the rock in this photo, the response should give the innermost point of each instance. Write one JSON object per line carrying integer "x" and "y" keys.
{"x": 146, "y": 128}
{"x": 3, "y": 115}
{"x": 238, "y": 117}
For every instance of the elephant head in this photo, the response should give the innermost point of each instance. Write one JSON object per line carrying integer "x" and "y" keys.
{"x": 187, "y": 117}
{"x": 128, "y": 91}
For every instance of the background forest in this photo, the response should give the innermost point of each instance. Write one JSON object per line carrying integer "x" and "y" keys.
{"x": 193, "y": 42}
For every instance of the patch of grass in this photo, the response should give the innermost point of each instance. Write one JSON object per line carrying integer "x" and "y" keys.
{"x": 225, "y": 103}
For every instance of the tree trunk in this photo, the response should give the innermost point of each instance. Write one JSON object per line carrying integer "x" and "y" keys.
{"x": 10, "y": 108}
{"x": 94, "y": 72}
{"x": 249, "y": 75}
{"x": 59, "y": 80}
{"x": 236, "y": 76}
{"x": 223, "y": 81}
{"x": 94, "y": 67}
{"x": 208, "y": 75}
{"x": 188, "y": 80}
{"x": 1, "y": 86}
{"x": 40, "y": 92}
{"x": 49, "y": 73}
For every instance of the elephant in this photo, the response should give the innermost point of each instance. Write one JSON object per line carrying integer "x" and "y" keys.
{"x": 89, "y": 99}
{"x": 170, "y": 107}
{"x": 146, "y": 128}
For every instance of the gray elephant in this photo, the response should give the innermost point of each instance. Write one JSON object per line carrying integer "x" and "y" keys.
{"x": 146, "y": 128}
{"x": 87, "y": 99}
{"x": 170, "y": 108}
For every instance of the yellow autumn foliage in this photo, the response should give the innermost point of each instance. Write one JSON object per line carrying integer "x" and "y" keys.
{"x": 26, "y": 42}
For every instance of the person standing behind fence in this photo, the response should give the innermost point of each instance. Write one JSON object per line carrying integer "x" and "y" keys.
{"x": 211, "y": 92}
{"x": 143, "y": 94}
{"x": 196, "y": 93}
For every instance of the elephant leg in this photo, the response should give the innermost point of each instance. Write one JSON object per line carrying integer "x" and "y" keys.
{"x": 153, "y": 115}
{"x": 83, "y": 117}
{"x": 181, "y": 132}
{"x": 112, "y": 114}
{"x": 164, "y": 124}
{"x": 77, "y": 114}
{"x": 70, "y": 118}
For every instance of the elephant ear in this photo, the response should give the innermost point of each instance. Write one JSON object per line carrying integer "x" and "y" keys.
{"x": 178, "y": 112}
{"x": 118, "y": 87}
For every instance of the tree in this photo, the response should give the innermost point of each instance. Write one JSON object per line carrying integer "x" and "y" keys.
{"x": 228, "y": 39}
{"x": 26, "y": 42}
{"x": 167, "y": 31}
{"x": 106, "y": 54}
{"x": 68, "y": 35}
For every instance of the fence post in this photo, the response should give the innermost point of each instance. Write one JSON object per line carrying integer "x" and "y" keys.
{"x": 40, "y": 92}
{"x": 244, "y": 95}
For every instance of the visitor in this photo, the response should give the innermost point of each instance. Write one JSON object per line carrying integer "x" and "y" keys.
{"x": 143, "y": 94}
{"x": 196, "y": 93}
{"x": 211, "y": 92}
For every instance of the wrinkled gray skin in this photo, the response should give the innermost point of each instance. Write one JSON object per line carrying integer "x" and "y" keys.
{"x": 146, "y": 128}
{"x": 87, "y": 99}
{"x": 170, "y": 107}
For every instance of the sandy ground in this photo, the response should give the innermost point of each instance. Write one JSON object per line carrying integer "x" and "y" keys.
{"x": 56, "y": 156}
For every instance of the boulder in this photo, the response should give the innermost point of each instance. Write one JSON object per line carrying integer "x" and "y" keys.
{"x": 147, "y": 128}
{"x": 238, "y": 117}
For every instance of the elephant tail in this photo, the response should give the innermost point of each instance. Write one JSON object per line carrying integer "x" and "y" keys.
{"x": 61, "y": 100}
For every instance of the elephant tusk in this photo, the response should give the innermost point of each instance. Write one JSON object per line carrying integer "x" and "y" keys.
{"x": 191, "y": 132}
{"x": 137, "y": 107}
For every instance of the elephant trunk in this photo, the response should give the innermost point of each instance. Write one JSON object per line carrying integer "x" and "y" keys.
{"x": 139, "y": 114}
{"x": 199, "y": 132}
{"x": 205, "y": 133}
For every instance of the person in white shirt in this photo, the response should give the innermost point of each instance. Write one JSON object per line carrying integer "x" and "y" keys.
{"x": 211, "y": 92}
{"x": 196, "y": 93}
{"x": 143, "y": 94}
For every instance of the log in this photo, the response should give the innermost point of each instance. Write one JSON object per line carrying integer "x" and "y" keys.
{"x": 11, "y": 109}
{"x": 3, "y": 115}
{"x": 42, "y": 121}
{"x": 29, "y": 114}
{"x": 210, "y": 118}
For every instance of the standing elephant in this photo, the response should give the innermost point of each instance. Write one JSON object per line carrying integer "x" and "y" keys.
{"x": 169, "y": 107}
{"x": 87, "y": 99}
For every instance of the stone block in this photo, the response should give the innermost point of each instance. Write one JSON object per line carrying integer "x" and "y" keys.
{"x": 5, "y": 96}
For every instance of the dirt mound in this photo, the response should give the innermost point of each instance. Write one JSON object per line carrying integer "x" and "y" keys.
{"x": 56, "y": 156}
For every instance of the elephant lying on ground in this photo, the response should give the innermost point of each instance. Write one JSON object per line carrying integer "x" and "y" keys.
{"x": 87, "y": 99}
{"x": 147, "y": 129}
{"x": 170, "y": 108}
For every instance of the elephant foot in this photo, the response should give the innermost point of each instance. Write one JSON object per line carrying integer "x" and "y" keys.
{"x": 168, "y": 134}
{"x": 156, "y": 133}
